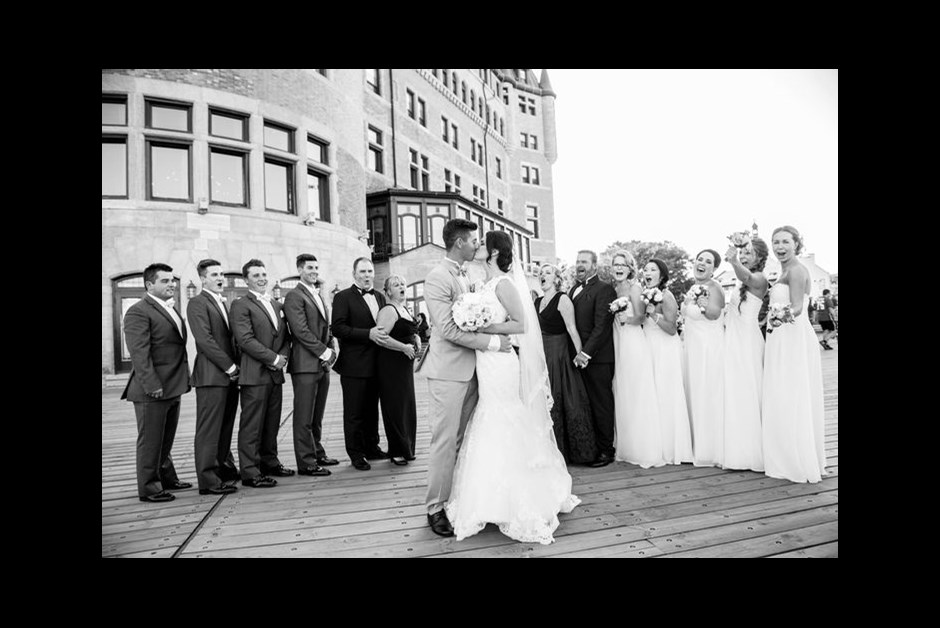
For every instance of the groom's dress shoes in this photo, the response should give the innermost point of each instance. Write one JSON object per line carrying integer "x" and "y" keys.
{"x": 602, "y": 461}
{"x": 439, "y": 524}
{"x": 376, "y": 454}
{"x": 361, "y": 464}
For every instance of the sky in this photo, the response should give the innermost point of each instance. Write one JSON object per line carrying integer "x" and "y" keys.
{"x": 693, "y": 155}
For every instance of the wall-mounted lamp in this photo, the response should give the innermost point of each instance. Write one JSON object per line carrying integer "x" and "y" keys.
{"x": 203, "y": 206}
{"x": 190, "y": 290}
{"x": 309, "y": 219}
{"x": 277, "y": 290}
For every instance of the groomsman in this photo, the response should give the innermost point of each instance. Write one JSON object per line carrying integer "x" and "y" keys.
{"x": 354, "y": 313}
{"x": 156, "y": 339}
{"x": 261, "y": 335}
{"x": 215, "y": 378}
{"x": 311, "y": 355}
{"x": 593, "y": 319}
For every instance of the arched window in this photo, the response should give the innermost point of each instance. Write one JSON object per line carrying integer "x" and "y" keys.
{"x": 408, "y": 224}
{"x": 126, "y": 290}
{"x": 437, "y": 216}
{"x": 414, "y": 299}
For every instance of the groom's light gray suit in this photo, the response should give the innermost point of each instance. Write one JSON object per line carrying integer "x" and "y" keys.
{"x": 450, "y": 367}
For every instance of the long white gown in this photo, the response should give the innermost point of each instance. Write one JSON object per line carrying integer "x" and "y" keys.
{"x": 666, "y": 350}
{"x": 509, "y": 469}
{"x": 793, "y": 417}
{"x": 744, "y": 367}
{"x": 636, "y": 407}
{"x": 703, "y": 356}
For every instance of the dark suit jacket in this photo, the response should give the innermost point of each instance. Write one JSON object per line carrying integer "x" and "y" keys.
{"x": 259, "y": 343}
{"x": 352, "y": 320}
{"x": 309, "y": 331}
{"x": 158, "y": 353}
{"x": 215, "y": 344}
{"x": 593, "y": 319}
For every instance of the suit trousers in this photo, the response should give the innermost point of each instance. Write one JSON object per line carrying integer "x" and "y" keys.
{"x": 450, "y": 406}
{"x": 216, "y": 407}
{"x": 257, "y": 429}
{"x": 360, "y": 415}
{"x": 599, "y": 382}
{"x": 310, "y": 392}
{"x": 156, "y": 429}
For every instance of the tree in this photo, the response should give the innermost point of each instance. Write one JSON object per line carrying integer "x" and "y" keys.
{"x": 677, "y": 261}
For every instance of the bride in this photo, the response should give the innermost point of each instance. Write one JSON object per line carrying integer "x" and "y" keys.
{"x": 509, "y": 470}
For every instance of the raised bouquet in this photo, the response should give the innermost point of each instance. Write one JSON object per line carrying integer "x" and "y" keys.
{"x": 778, "y": 314}
{"x": 740, "y": 239}
{"x": 470, "y": 312}
{"x": 652, "y": 296}
{"x": 697, "y": 291}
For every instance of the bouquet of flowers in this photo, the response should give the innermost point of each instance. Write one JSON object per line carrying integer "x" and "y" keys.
{"x": 470, "y": 312}
{"x": 741, "y": 239}
{"x": 680, "y": 322}
{"x": 697, "y": 291}
{"x": 778, "y": 314}
{"x": 620, "y": 304}
{"x": 652, "y": 296}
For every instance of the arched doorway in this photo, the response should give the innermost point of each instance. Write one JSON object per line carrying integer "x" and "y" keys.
{"x": 126, "y": 290}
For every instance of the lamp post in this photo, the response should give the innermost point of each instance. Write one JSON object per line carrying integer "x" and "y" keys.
{"x": 190, "y": 290}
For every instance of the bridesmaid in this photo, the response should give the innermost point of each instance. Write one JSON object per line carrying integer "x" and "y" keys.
{"x": 744, "y": 358}
{"x": 793, "y": 430}
{"x": 396, "y": 373}
{"x": 571, "y": 414}
{"x": 666, "y": 351}
{"x": 636, "y": 407}
{"x": 703, "y": 348}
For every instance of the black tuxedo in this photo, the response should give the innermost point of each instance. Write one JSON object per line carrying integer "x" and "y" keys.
{"x": 310, "y": 338}
{"x": 216, "y": 394}
{"x": 158, "y": 355}
{"x": 260, "y": 343}
{"x": 352, "y": 320}
{"x": 594, "y": 323}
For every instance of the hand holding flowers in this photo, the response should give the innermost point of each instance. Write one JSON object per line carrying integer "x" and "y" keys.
{"x": 652, "y": 297}
{"x": 618, "y": 307}
{"x": 699, "y": 294}
{"x": 470, "y": 312}
{"x": 778, "y": 314}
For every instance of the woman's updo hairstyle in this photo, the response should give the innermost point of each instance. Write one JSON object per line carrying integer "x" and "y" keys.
{"x": 502, "y": 243}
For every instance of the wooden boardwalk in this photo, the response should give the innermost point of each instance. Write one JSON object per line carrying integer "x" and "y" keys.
{"x": 626, "y": 511}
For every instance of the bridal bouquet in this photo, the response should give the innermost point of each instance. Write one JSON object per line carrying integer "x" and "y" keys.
{"x": 619, "y": 305}
{"x": 740, "y": 239}
{"x": 697, "y": 291}
{"x": 652, "y": 296}
{"x": 778, "y": 314}
{"x": 470, "y": 312}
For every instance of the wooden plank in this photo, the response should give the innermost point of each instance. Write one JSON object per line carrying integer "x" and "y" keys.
{"x": 826, "y": 550}
{"x": 767, "y": 545}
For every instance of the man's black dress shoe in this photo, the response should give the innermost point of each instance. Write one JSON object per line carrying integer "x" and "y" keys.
{"x": 361, "y": 464}
{"x": 313, "y": 471}
{"x": 162, "y": 496}
{"x": 326, "y": 461}
{"x": 399, "y": 460}
{"x": 378, "y": 454}
{"x": 281, "y": 471}
{"x": 228, "y": 474}
{"x": 176, "y": 486}
{"x": 602, "y": 461}
{"x": 262, "y": 481}
{"x": 221, "y": 490}
{"x": 439, "y": 524}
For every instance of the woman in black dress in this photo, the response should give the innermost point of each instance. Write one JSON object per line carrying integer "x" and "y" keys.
{"x": 571, "y": 414}
{"x": 396, "y": 373}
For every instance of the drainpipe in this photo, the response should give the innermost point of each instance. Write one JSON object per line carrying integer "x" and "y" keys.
{"x": 391, "y": 97}
{"x": 486, "y": 152}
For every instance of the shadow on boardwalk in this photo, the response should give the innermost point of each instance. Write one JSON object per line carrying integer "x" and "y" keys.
{"x": 672, "y": 511}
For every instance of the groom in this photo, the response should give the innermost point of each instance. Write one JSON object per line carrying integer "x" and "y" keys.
{"x": 450, "y": 366}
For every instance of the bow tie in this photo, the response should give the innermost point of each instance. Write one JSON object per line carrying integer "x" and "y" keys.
{"x": 222, "y": 299}
{"x": 461, "y": 271}
{"x": 579, "y": 284}
{"x": 265, "y": 297}
{"x": 364, "y": 292}
{"x": 170, "y": 302}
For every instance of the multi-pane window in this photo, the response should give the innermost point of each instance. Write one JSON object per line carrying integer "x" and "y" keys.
{"x": 408, "y": 223}
{"x": 278, "y": 185}
{"x": 425, "y": 173}
{"x": 445, "y": 130}
{"x": 529, "y": 140}
{"x": 114, "y": 167}
{"x": 456, "y": 144}
{"x": 375, "y": 150}
{"x": 530, "y": 174}
{"x": 437, "y": 216}
{"x": 169, "y": 170}
{"x": 374, "y": 81}
{"x": 499, "y": 207}
{"x": 414, "y": 168}
{"x": 456, "y": 183}
{"x": 526, "y": 104}
{"x": 317, "y": 151}
{"x": 228, "y": 125}
{"x": 534, "y": 142}
{"x": 524, "y": 140}
{"x": 480, "y": 102}
{"x": 318, "y": 194}
{"x": 420, "y": 174}
{"x": 532, "y": 219}
{"x": 410, "y": 98}
{"x": 228, "y": 176}
{"x": 422, "y": 113}
{"x": 505, "y": 93}
{"x": 473, "y": 150}
{"x": 490, "y": 225}
{"x": 451, "y": 185}
{"x": 279, "y": 137}
{"x": 447, "y": 180}
{"x": 480, "y": 156}
{"x": 114, "y": 110}
{"x": 170, "y": 116}
{"x": 499, "y": 169}
{"x": 445, "y": 76}
{"x": 454, "y": 84}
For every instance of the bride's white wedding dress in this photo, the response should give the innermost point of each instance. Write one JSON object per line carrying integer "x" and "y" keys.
{"x": 509, "y": 469}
